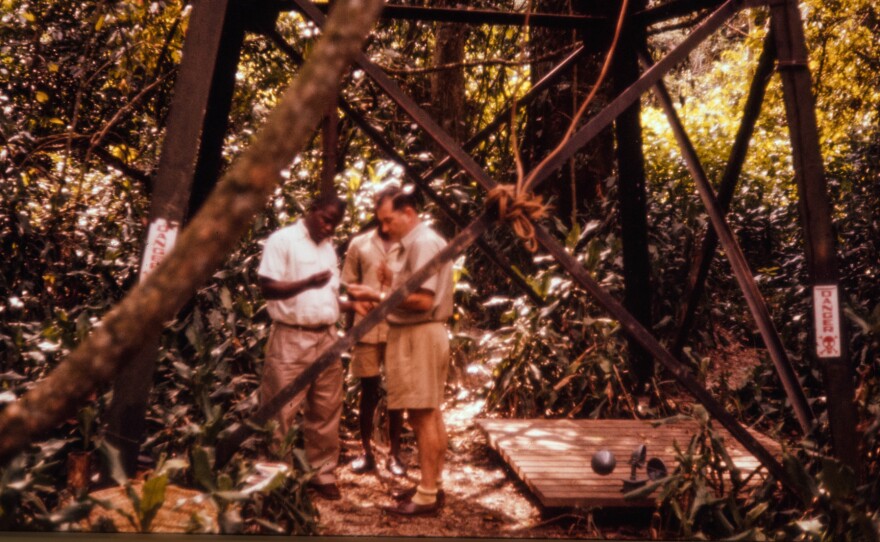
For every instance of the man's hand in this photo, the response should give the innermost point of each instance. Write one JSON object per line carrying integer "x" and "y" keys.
{"x": 362, "y": 292}
{"x": 363, "y": 307}
{"x": 319, "y": 279}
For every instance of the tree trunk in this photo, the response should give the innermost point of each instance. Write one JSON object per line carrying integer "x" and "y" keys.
{"x": 447, "y": 85}
{"x": 204, "y": 244}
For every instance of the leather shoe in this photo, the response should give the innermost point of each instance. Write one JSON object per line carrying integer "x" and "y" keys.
{"x": 409, "y": 508}
{"x": 395, "y": 466}
{"x": 408, "y": 494}
{"x": 328, "y": 491}
{"x": 363, "y": 464}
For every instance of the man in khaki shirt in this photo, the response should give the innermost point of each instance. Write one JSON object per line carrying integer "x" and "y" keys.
{"x": 417, "y": 357}
{"x": 369, "y": 261}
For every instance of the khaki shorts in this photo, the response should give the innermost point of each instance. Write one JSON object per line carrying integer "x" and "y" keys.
{"x": 366, "y": 359}
{"x": 416, "y": 364}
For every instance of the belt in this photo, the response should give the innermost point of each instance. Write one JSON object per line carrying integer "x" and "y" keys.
{"x": 313, "y": 329}
{"x": 404, "y": 324}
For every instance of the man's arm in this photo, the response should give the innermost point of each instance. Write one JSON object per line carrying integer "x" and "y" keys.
{"x": 284, "y": 289}
{"x": 419, "y": 301}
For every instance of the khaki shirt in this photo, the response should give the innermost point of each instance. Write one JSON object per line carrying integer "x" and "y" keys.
{"x": 418, "y": 247}
{"x": 366, "y": 254}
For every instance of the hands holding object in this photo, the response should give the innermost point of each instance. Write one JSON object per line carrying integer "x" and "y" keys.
{"x": 365, "y": 298}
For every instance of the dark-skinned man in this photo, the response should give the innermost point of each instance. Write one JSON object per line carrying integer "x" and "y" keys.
{"x": 370, "y": 260}
{"x": 299, "y": 277}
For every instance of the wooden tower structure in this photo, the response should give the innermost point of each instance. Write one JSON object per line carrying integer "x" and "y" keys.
{"x": 191, "y": 153}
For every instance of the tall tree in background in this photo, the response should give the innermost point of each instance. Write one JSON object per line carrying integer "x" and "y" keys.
{"x": 447, "y": 84}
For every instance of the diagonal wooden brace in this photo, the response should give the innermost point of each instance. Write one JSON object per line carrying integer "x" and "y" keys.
{"x": 740, "y": 266}
{"x": 468, "y": 236}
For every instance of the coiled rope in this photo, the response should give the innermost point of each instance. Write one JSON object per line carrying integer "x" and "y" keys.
{"x": 519, "y": 209}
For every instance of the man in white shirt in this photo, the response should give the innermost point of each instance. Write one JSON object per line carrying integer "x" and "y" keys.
{"x": 370, "y": 260}
{"x": 417, "y": 358}
{"x": 299, "y": 277}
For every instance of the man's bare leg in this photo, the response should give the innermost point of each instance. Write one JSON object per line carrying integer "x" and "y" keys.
{"x": 395, "y": 426}
{"x": 431, "y": 438}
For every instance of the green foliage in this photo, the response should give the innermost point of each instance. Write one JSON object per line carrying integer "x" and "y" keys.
{"x": 564, "y": 358}
{"x": 27, "y": 488}
{"x": 85, "y": 91}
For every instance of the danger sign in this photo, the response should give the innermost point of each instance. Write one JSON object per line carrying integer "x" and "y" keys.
{"x": 827, "y": 320}
{"x": 160, "y": 239}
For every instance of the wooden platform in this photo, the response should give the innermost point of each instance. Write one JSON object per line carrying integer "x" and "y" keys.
{"x": 553, "y": 457}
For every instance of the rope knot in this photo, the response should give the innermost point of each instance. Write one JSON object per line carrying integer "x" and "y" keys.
{"x": 520, "y": 209}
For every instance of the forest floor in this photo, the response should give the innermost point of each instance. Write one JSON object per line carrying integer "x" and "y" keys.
{"x": 484, "y": 498}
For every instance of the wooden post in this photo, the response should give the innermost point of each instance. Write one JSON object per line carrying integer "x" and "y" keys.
{"x": 706, "y": 253}
{"x": 188, "y": 169}
{"x": 632, "y": 198}
{"x": 829, "y": 335}
{"x": 754, "y": 299}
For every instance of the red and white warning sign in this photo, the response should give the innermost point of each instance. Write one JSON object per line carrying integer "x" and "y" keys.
{"x": 160, "y": 239}
{"x": 827, "y": 319}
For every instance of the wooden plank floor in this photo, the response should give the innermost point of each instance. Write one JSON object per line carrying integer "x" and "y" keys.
{"x": 552, "y": 457}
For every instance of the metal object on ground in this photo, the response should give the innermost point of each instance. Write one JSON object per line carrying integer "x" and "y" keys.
{"x": 603, "y": 462}
{"x": 656, "y": 469}
{"x": 636, "y": 460}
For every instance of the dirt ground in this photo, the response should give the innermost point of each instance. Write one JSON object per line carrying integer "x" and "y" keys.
{"x": 483, "y": 497}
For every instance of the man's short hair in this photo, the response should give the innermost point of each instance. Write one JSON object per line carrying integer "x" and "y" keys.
{"x": 328, "y": 200}
{"x": 400, "y": 198}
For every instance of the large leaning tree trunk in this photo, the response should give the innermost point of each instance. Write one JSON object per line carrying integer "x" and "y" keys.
{"x": 204, "y": 244}
{"x": 576, "y": 185}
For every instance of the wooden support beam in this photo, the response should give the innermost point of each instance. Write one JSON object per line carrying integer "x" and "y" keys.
{"x": 829, "y": 331}
{"x": 632, "y": 198}
{"x": 237, "y": 434}
{"x": 188, "y": 168}
{"x": 702, "y": 262}
{"x": 477, "y": 16}
{"x": 741, "y": 271}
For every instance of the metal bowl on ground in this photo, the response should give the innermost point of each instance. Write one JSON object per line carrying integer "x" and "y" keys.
{"x": 603, "y": 462}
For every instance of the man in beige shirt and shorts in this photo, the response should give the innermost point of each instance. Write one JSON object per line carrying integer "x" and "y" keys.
{"x": 369, "y": 260}
{"x": 417, "y": 357}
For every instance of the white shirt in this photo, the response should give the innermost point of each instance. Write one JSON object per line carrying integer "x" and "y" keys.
{"x": 290, "y": 254}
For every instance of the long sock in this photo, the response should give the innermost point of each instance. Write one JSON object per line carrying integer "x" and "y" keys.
{"x": 424, "y": 496}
